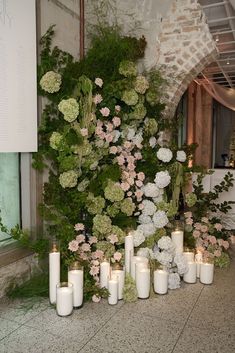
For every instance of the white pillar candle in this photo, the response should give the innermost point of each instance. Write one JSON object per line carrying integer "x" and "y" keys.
{"x": 189, "y": 256}
{"x": 54, "y": 273}
{"x": 142, "y": 281}
{"x": 75, "y": 276}
{"x": 191, "y": 275}
{"x": 129, "y": 251}
{"x": 104, "y": 274}
{"x": 113, "y": 290}
{"x": 64, "y": 299}
{"x": 120, "y": 274}
{"x": 198, "y": 260}
{"x": 206, "y": 273}
{"x": 160, "y": 281}
{"x": 177, "y": 238}
{"x": 134, "y": 261}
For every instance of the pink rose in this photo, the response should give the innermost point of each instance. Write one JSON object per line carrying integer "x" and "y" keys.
{"x": 141, "y": 205}
{"x": 105, "y": 111}
{"x": 113, "y": 150}
{"x": 109, "y": 137}
{"x": 125, "y": 175}
{"x": 117, "y": 256}
{"x": 99, "y": 130}
{"x": 129, "y": 193}
{"x": 196, "y": 233}
{"x": 73, "y": 246}
{"x": 84, "y": 132}
{"x": 131, "y": 166}
{"x": 127, "y": 145}
{"x": 116, "y": 121}
{"x": 139, "y": 195}
{"x": 225, "y": 244}
{"x": 130, "y": 181}
{"x": 120, "y": 160}
{"x": 139, "y": 183}
{"x": 97, "y": 99}
{"x": 204, "y": 229}
{"x": 98, "y": 254}
{"x": 130, "y": 159}
{"x": 96, "y": 298}
{"x": 117, "y": 108}
{"x": 86, "y": 247}
{"x": 83, "y": 256}
{"x": 197, "y": 225}
{"x": 132, "y": 174}
{"x": 138, "y": 155}
{"x": 113, "y": 238}
{"x": 218, "y": 226}
{"x": 141, "y": 176}
{"x": 80, "y": 238}
{"x": 204, "y": 220}
{"x": 93, "y": 240}
{"x": 79, "y": 226}
{"x": 217, "y": 253}
{"x": 94, "y": 270}
{"x": 99, "y": 82}
{"x": 99, "y": 123}
{"x": 189, "y": 221}
{"x": 109, "y": 127}
{"x": 188, "y": 214}
{"x": 212, "y": 239}
{"x": 125, "y": 186}
{"x": 95, "y": 262}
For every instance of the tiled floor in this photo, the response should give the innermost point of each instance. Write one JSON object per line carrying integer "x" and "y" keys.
{"x": 192, "y": 319}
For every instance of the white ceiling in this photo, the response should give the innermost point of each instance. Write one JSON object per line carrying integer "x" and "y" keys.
{"x": 221, "y": 20}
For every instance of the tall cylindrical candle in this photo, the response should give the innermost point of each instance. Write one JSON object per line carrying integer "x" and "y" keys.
{"x": 75, "y": 276}
{"x": 142, "y": 281}
{"x": 191, "y": 275}
{"x": 54, "y": 270}
{"x": 134, "y": 261}
{"x": 113, "y": 290}
{"x": 206, "y": 273}
{"x": 198, "y": 260}
{"x": 160, "y": 281}
{"x": 104, "y": 274}
{"x": 120, "y": 274}
{"x": 129, "y": 251}
{"x": 177, "y": 238}
{"x": 64, "y": 299}
{"x": 189, "y": 255}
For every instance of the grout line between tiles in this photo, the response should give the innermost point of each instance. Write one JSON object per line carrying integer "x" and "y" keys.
{"x": 101, "y": 328}
{"x": 187, "y": 320}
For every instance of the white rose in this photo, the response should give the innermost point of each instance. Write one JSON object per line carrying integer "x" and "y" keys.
{"x": 181, "y": 156}
{"x": 160, "y": 219}
{"x": 152, "y": 141}
{"x": 151, "y": 190}
{"x": 164, "y": 154}
{"x": 162, "y": 179}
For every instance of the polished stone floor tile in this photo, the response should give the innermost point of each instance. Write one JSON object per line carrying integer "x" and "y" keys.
{"x": 134, "y": 333}
{"x": 6, "y": 327}
{"x": 205, "y": 340}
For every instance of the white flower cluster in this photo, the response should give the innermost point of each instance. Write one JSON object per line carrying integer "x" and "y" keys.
{"x": 70, "y": 109}
{"x": 151, "y": 190}
{"x": 147, "y": 229}
{"x": 173, "y": 281}
{"x": 160, "y": 219}
{"x": 149, "y": 208}
{"x": 181, "y": 156}
{"x": 50, "y": 82}
{"x": 164, "y": 154}
{"x": 164, "y": 257}
{"x": 165, "y": 243}
{"x": 138, "y": 237}
{"x": 145, "y": 252}
{"x": 162, "y": 179}
{"x": 181, "y": 263}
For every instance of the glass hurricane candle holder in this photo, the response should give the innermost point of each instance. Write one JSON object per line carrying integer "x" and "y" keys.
{"x": 119, "y": 273}
{"x": 76, "y": 276}
{"x": 54, "y": 269}
{"x": 177, "y": 236}
{"x": 207, "y": 271}
{"x": 160, "y": 280}
{"x": 64, "y": 299}
{"x": 188, "y": 254}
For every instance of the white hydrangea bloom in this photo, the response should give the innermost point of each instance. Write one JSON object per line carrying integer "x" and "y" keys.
{"x": 164, "y": 154}
{"x": 144, "y": 219}
{"x": 138, "y": 139}
{"x": 165, "y": 243}
{"x": 173, "y": 281}
{"x": 162, "y": 179}
{"x": 181, "y": 263}
{"x": 116, "y": 134}
{"x": 152, "y": 141}
{"x": 149, "y": 208}
{"x": 151, "y": 190}
{"x": 130, "y": 134}
{"x": 164, "y": 257}
{"x": 138, "y": 237}
{"x": 50, "y": 82}
{"x": 144, "y": 252}
{"x": 160, "y": 219}
{"x": 147, "y": 228}
{"x": 181, "y": 156}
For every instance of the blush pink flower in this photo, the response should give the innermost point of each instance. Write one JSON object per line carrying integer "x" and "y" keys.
{"x": 109, "y": 137}
{"x": 99, "y": 82}
{"x": 232, "y": 239}
{"x": 189, "y": 221}
{"x": 196, "y": 233}
{"x": 105, "y": 111}
{"x": 141, "y": 206}
{"x": 99, "y": 130}
{"x": 79, "y": 226}
{"x": 139, "y": 195}
{"x": 84, "y": 132}
{"x": 129, "y": 193}
{"x": 125, "y": 175}
{"x": 109, "y": 127}
{"x": 132, "y": 174}
{"x": 95, "y": 262}
{"x": 127, "y": 145}
{"x": 125, "y": 186}
{"x": 141, "y": 176}
{"x": 117, "y": 108}
{"x": 130, "y": 181}
{"x": 120, "y": 160}
{"x": 131, "y": 166}
{"x": 73, "y": 245}
{"x": 113, "y": 238}
{"x": 93, "y": 240}
{"x": 217, "y": 253}
{"x": 218, "y": 226}
{"x": 113, "y": 150}
{"x": 94, "y": 270}
{"x": 116, "y": 121}
{"x": 96, "y": 298}
{"x": 86, "y": 247}
{"x": 212, "y": 240}
{"x": 205, "y": 220}
{"x": 80, "y": 238}
{"x": 204, "y": 229}
{"x": 225, "y": 244}
{"x": 197, "y": 226}
{"x": 188, "y": 214}
{"x": 130, "y": 159}
{"x": 138, "y": 156}
{"x": 220, "y": 242}
{"x": 97, "y": 99}
{"x": 83, "y": 256}
{"x": 139, "y": 183}
{"x": 117, "y": 256}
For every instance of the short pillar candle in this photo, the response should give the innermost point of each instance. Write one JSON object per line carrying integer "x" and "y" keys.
{"x": 120, "y": 274}
{"x": 198, "y": 260}
{"x": 207, "y": 272}
{"x": 142, "y": 281}
{"x": 113, "y": 290}
{"x": 188, "y": 254}
{"x": 160, "y": 281}
{"x": 177, "y": 237}
{"x": 191, "y": 275}
{"x": 64, "y": 299}
{"x": 104, "y": 274}
{"x": 134, "y": 261}
{"x": 75, "y": 276}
